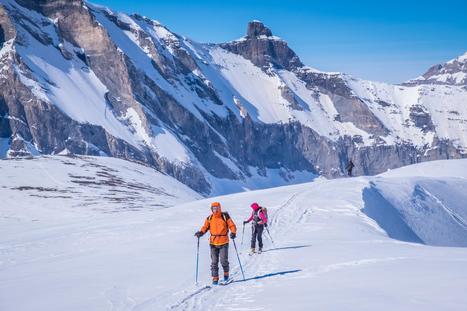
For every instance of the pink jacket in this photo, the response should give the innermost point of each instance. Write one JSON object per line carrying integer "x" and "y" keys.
{"x": 261, "y": 215}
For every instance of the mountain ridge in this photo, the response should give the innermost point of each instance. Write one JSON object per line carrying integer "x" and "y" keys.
{"x": 81, "y": 79}
{"x": 451, "y": 72}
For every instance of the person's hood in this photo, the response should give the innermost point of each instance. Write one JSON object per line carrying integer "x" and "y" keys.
{"x": 255, "y": 206}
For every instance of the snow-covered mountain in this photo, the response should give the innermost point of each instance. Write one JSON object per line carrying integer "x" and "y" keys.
{"x": 362, "y": 243}
{"x": 77, "y": 78}
{"x": 453, "y": 72}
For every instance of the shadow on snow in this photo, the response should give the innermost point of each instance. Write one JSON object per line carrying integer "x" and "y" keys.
{"x": 286, "y": 247}
{"x": 258, "y": 277}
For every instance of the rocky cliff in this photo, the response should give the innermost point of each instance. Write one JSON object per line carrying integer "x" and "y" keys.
{"x": 81, "y": 79}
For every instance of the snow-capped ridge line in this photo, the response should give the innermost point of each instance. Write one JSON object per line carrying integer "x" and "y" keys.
{"x": 221, "y": 117}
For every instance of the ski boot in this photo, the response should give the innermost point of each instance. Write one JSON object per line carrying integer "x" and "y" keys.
{"x": 260, "y": 250}
{"x": 252, "y": 251}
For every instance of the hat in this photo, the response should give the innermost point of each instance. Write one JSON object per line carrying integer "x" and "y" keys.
{"x": 215, "y": 204}
{"x": 254, "y": 206}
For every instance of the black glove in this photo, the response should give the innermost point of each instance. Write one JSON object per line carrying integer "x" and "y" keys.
{"x": 199, "y": 234}
{"x": 245, "y": 222}
{"x": 266, "y": 225}
{"x": 233, "y": 235}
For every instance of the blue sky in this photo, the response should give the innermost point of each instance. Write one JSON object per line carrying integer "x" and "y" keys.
{"x": 389, "y": 41}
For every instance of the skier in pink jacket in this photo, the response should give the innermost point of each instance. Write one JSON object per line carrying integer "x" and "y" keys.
{"x": 259, "y": 217}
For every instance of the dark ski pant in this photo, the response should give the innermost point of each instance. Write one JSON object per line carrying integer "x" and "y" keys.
{"x": 219, "y": 252}
{"x": 257, "y": 234}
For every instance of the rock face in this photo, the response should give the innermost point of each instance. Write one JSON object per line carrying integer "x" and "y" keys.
{"x": 263, "y": 49}
{"x": 7, "y": 30}
{"x": 80, "y": 79}
{"x": 51, "y": 7}
{"x": 256, "y": 29}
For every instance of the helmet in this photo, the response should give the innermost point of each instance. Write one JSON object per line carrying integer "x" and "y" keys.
{"x": 215, "y": 204}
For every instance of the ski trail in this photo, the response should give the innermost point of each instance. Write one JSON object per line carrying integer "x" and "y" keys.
{"x": 456, "y": 217}
{"x": 207, "y": 287}
{"x": 349, "y": 264}
{"x": 265, "y": 265}
{"x": 119, "y": 299}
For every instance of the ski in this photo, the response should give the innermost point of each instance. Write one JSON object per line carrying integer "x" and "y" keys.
{"x": 223, "y": 283}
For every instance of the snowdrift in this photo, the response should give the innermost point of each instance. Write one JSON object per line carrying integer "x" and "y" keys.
{"x": 426, "y": 209}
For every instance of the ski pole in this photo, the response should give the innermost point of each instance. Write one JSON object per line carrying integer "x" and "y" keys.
{"x": 269, "y": 234}
{"x": 197, "y": 260}
{"x": 238, "y": 257}
{"x": 243, "y": 233}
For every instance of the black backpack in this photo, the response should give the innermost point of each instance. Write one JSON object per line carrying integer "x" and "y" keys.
{"x": 225, "y": 216}
{"x": 256, "y": 217}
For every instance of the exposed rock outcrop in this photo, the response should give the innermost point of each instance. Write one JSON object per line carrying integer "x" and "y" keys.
{"x": 263, "y": 49}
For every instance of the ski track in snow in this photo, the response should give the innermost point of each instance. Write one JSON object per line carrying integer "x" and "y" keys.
{"x": 259, "y": 264}
{"x": 195, "y": 299}
{"x": 118, "y": 299}
{"x": 267, "y": 266}
{"x": 456, "y": 217}
{"x": 237, "y": 295}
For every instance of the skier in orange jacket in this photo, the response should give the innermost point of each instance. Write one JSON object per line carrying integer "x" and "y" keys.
{"x": 218, "y": 223}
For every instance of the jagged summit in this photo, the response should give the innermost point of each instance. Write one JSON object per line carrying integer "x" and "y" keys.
{"x": 460, "y": 59}
{"x": 263, "y": 49}
{"x": 256, "y": 28}
{"x": 453, "y": 72}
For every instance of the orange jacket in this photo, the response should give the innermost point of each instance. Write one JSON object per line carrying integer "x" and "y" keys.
{"x": 219, "y": 227}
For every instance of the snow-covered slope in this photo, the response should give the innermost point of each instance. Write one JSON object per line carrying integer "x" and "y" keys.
{"x": 329, "y": 253}
{"x": 37, "y": 187}
{"x": 418, "y": 113}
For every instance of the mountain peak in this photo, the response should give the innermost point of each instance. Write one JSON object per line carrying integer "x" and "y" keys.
{"x": 459, "y": 59}
{"x": 264, "y": 49}
{"x": 453, "y": 72}
{"x": 256, "y": 28}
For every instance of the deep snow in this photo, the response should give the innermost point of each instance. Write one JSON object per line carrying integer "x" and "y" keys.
{"x": 56, "y": 254}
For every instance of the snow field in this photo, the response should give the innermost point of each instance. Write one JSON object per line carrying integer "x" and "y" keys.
{"x": 329, "y": 253}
